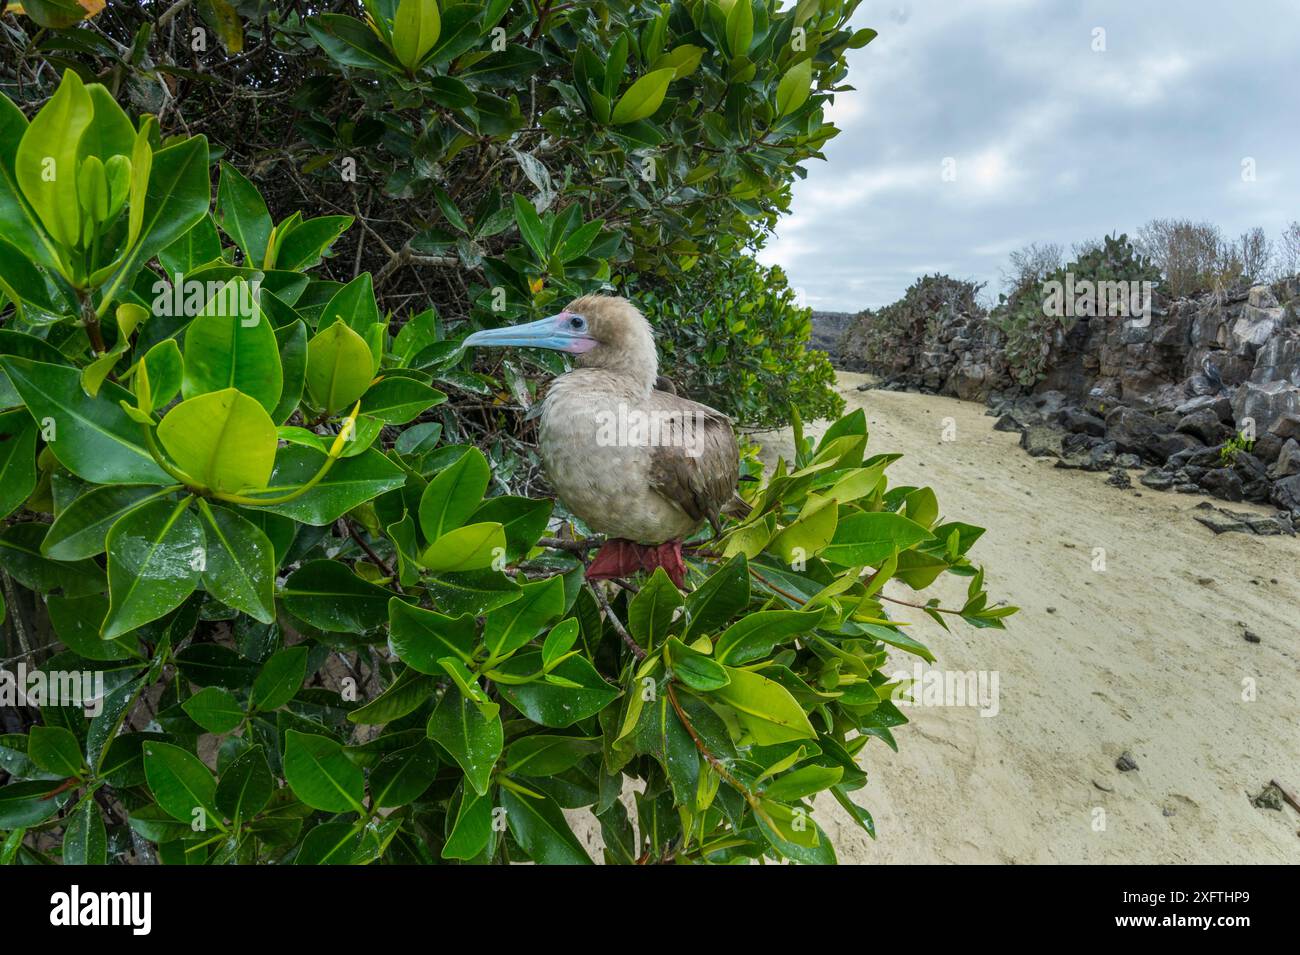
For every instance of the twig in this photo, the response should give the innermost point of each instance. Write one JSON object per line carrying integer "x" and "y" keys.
{"x": 617, "y": 624}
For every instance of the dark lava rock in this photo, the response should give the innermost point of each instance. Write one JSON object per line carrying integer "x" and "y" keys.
{"x": 1288, "y": 460}
{"x": 1119, "y": 478}
{"x": 1204, "y": 425}
{"x": 1132, "y": 430}
{"x": 1157, "y": 479}
{"x": 1250, "y": 636}
{"x": 1126, "y": 763}
{"x": 1006, "y": 423}
{"x": 1041, "y": 441}
{"x": 1286, "y": 493}
{"x": 1080, "y": 422}
{"x": 1222, "y": 483}
{"x": 1129, "y": 461}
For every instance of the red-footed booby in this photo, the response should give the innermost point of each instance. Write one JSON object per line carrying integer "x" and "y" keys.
{"x": 638, "y": 464}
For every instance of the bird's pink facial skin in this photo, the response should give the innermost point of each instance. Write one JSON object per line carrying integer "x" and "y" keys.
{"x": 578, "y": 345}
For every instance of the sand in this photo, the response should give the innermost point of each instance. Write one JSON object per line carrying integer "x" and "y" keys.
{"x": 1146, "y": 657}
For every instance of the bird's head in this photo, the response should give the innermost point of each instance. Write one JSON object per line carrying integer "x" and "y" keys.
{"x": 601, "y": 331}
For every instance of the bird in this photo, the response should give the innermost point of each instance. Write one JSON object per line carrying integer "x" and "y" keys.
{"x": 623, "y": 452}
{"x": 1212, "y": 375}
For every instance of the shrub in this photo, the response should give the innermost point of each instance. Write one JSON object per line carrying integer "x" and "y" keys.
{"x": 669, "y": 133}
{"x": 893, "y": 337}
{"x": 1032, "y": 331}
{"x": 324, "y": 631}
{"x": 741, "y": 342}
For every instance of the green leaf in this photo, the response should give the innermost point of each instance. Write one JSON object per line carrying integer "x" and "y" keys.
{"x": 280, "y": 679}
{"x": 872, "y": 537}
{"x": 29, "y": 803}
{"x": 17, "y": 460}
{"x": 454, "y": 494}
{"x": 305, "y": 246}
{"x": 320, "y": 773}
{"x": 92, "y": 437}
{"x": 471, "y": 832}
{"x": 546, "y": 754}
{"x": 559, "y": 641}
{"x": 508, "y": 628}
{"x": 246, "y": 785}
{"x": 651, "y": 610}
{"x": 421, "y": 638}
{"x": 753, "y": 636}
{"x": 78, "y": 620}
{"x": 583, "y": 693}
{"x": 350, "y": 42}
{"x": 472, "y": 547}
{"x": 695, "y": 669}
{"x": 404, "y": 695}
{"x": 354, "y": 305}
{"x": 181, "y": 784}
{"x": 224, "y": 440}
{"x": 20, "y": 555}
{"x": 398, "y": 400}
{"x": 401, "y": 777}
{"x": 326, "y": 594}
{"x": 539, "y": 827}
{"x": 85, "y": 840}
{"x": 740, "y": 28}
{"x": 792, "y": 92}
{"x": 415, "y": 30}
{"x": 339, "y": 367}
{"x": 155, "y": 553}
{"x": 80, "y": 528}
{"x": 240, "y": 566}
{"x": 531, "y": 229}
{"x": 351, "y": 481}
{"x": 45, "y": 164}
{"x": 292, "y": 340}
{"x": 643, "y": 97}
{"x": 765, "y": 708}
{"x": 55, "y": 750}
{"x": 714, "y": 602}
{"x": 472, "y": 739}
{"x": 808, "y": 535}
{"x": 523, "y": 520}
{"x": 242, "y": 214}
{"x": 231, "y": 344}
{"x": 166, "y": 370}
{"x": 215, "y": 709}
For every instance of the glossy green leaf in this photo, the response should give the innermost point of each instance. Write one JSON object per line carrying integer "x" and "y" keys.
{"x": 280, "y": 679}
{"x": 339, "y": 367}
{"x": 156, "y": 553}
{"x": 764, "y": 707}
{"x": 181, "y": 784}
{"x": 224, "y": 440}
{"x": 454, "y": 494}
{"x": 540, "y": 828}
{"x": 231, "y": 344}
{"x": 471, "y": 739}
{"x": 55, "y": 750}
{"x": 320, "y": 773}
{"x": 421, "y": 638}
{"x": 215, "y": 709}
{"x": 92, "y": 437}
{"x": 240, "y": 566}
{"x": 326, "y": 594}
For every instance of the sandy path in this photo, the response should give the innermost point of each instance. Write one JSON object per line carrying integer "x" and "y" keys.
{"x": 1141, "y": 657}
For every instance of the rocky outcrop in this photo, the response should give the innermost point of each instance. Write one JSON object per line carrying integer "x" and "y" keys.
{"x": 1205, "y": 395}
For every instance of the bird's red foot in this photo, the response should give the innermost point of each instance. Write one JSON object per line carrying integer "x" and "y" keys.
{"x": 622, "y": 558}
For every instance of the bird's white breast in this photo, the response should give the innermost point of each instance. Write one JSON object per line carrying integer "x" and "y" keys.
{"x": 596, "y": 472}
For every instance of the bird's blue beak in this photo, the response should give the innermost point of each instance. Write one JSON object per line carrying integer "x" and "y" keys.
{"x": 563, "y": 332}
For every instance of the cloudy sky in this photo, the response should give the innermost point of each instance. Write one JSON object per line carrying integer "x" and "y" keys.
{"x": 1051, "y": 140}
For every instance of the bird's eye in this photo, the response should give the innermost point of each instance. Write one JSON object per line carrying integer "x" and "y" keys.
{"x": 577, "y": 323}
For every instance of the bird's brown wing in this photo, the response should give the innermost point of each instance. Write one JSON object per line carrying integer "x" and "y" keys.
{"x": 695, "y": 463}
